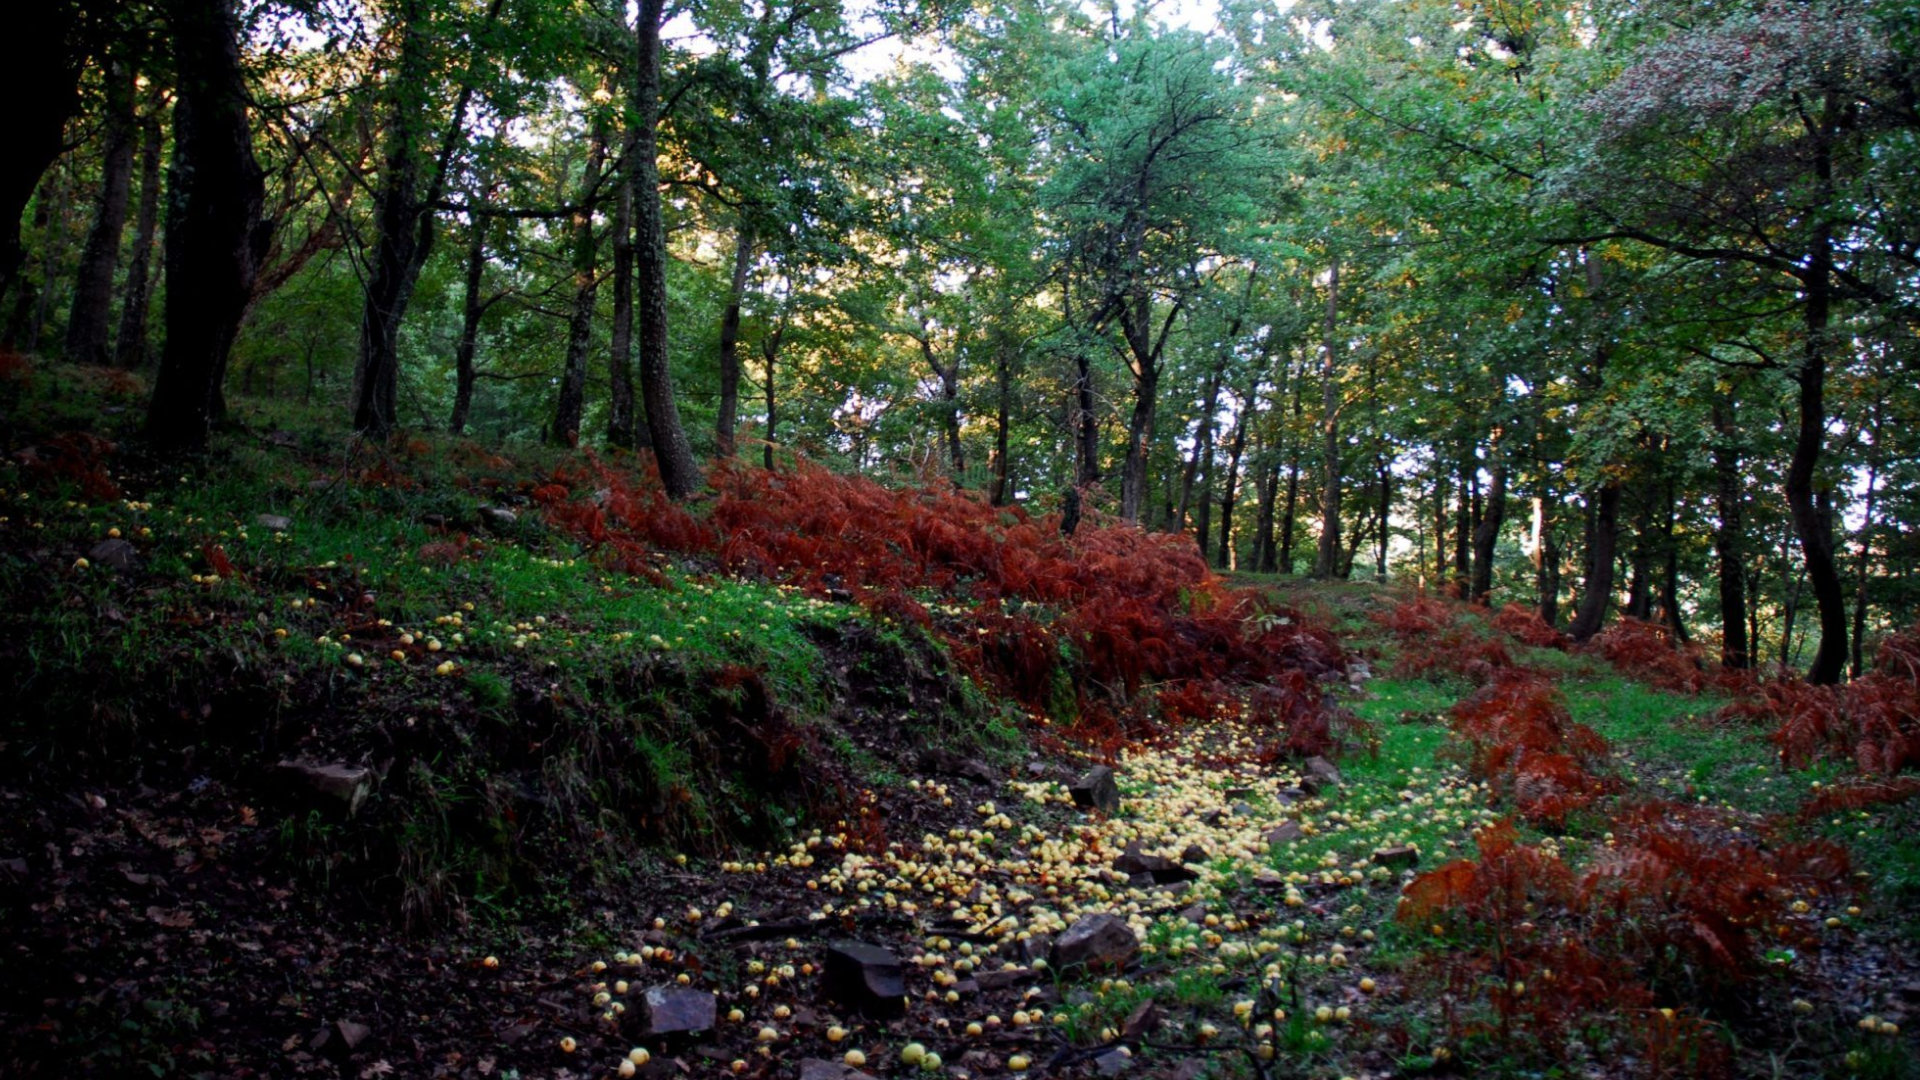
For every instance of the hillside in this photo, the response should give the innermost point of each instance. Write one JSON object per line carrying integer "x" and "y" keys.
{"x": 334, "y": 759}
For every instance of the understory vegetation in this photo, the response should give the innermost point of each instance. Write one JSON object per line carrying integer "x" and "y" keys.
{"x": 609, "y": 743}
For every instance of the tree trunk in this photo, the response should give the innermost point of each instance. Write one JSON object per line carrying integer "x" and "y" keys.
{"x": 1546, "y": 563}
{"x": 1486, "y": 534}
{"x": 1002, "y": 435}
{"x": 1229, "y": 489}
{"x": 1465, "y": 518}
{"x": 1735, "y": 652}
{"x": 1086, "y": 424}
{"x": 130, "y": 344}
{"x": 769, "y": 353}
{"x": 1265, "y": 556}
{"x": 1441, "y": 514}
{"x": 215, "y": 237}
{"x": 1202, "y": 451}
{"x": 1811, "y": 519}
{"x": 92, "y": 310}
{"x": 1386, "y": 515}
{"x": 671, "y": 451}
{"x": 406, "y": 219}
{"x": 1864, "y": 560}
{"x": 1670, "y": 613}
{"x": 40, "y": 65}
{"x": 621, "y": 414}
{"x": 1327, "y": 557}
{"x": 471, "y": 308}
{"x": 726, "y": 416}
{"x": 1133, "y": 483}
{"x": 1597, "y": 589}
{"x": 572, "y": 399}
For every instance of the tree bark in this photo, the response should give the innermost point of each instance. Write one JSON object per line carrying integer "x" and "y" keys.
{"x": 624, "y": 429}
{"x": 130, "y": 343}
{"x": 1202, "y": 450}
{"x": 471, "y": 308}
{"x": 1265, "y": 557}
{"x": 406, "y": 219}
{"x": 1385, "y": 539}
{"x": 1327, "y": 557}
{"x": 1812, "y": 520}
{"x": 1486, "y": 534}
{"x": 215, "y": 237}
{"x": 1728, "y": 541}
{"x": 1597, "y": 590}
{"x": 1863, "y": 561}
{"x": 1229, "y": 488}
{"x": 571, "y": 402}
{"x": 769, "y": 353}
{"x": 40, "y": 64}
{"x": 726, "y": 416}
{"x": 1086, "y": 424}
{"x": 671, "y": 450}
{"x": 92, "y": 311}
{"x": 1002, "y": 427}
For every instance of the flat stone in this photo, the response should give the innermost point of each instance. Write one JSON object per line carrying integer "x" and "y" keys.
{"x": 1004, "y": 979}
{"x": 1096, "y": 944}
{"x": 865, "y": 978}
{"x": 1096, "y": 791}
{"x": 1284, "y": 833}
{"x": 1319, "y": 774}
{"x": 947, "y": 763}
{"x": 1112, "y": 1063}
{"x": 1269, "y": 879}
{"x": 1397, "y": 857}
{"x": 1194, "y": 853}
{"x": 1158, "y": 869}
{"x": 352, "y": 1033}
{"x": 674, "y": 1010}
{"x": 498, "y": 517}
{"x": 1144, "y": 1020}
{"x": 822, "y": 1069}
{"x": 115, "y": 554}
{"x": 273, "y": 522}
{"x": 351, "y": 784}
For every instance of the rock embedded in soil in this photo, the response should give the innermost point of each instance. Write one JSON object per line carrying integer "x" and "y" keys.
{"x": 1161, "y": 870}
{"x": 350, "y": 784}
{"x": 1003, "y": 979}
{"x": 1097, "y": 791}
{"x": 115, "y": 554}
{"x": 1318, "y": 775}
{"x": 1397, "y": 857}
{"x": 675, "y": 1010}
{"x": 822, "y": 1069}
{"x": 1096, "y": 944}
{"x": 498, "y": 517}
{"x": 944, "y": 762}
{"x": 866, "y": 978}
{"x": 273, "y": 522}
{"x": 1284, "y": 833}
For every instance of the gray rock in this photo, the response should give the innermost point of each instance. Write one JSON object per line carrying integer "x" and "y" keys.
{"x": 273, "y": 522}
{"x": 1284, "y": 833}
{"x": 498, "y": 517}
{"x": 675, "y": 1010}
{"x": 1096, "y": 944}
{"x": 351, "y": 784}
{"x": 1002, "y": 979}
{"x": 1398, "y": 857}
{"x": 1112, "y": 1063}
{"x": 865, "y": 978}
{"x": 1159, "y": 869}
{"x": 115, "y": 554}
{"x": 1194, "y": 853}
{"x": 1097, "y": 791}
{"x": 1319, "y": 774}
{"x": 945, "y": 762}
{"x": 822, "y": 1069}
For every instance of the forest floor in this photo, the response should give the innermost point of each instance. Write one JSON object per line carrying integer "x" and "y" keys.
{"x": 466, "y": 894}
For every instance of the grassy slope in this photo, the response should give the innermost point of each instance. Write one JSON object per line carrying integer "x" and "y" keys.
{"x": 593, "y": 732}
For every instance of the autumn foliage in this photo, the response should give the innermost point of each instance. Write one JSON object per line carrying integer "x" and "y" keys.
{"x": 1873, "y": 721}
{"x": 1440, "y": 637}
{"x": 1083, "y": 626}
{"x": 1648, "y": 652}
{"x": 1515, "y": 733}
